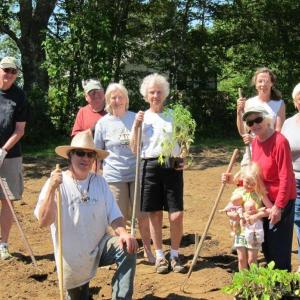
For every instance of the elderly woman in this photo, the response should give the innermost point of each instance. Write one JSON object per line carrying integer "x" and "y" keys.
{"x": 112, "y": 134}
{"x": 291, "y": 129}
{"x": 88, "y": 115}
{"x": 162, "y": 187}
{"x": 271, "y": 150}
{"x": 268, "y": 97}
{"x": 88, "y": 207}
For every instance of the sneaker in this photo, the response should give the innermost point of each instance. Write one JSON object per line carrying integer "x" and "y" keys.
{"x": 176, "y": 265}
{"x": 4, "y": 254}
{"x": 161, "y": 266}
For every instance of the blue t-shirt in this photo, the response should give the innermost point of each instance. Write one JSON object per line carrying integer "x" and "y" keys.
{"x": 112, "y": 134}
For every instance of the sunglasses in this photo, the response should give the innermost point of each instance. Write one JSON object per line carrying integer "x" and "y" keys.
{"x": 257, "y": 120}
{"x": 10, "y": 70}
{"x": 81, "y": 153}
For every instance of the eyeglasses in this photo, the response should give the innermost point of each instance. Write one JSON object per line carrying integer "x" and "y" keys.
{"x": 81, "y": 153}
{"x": 10, "y": 70}
{"x": 257, "y": 120}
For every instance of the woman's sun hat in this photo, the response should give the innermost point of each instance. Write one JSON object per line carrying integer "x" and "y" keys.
{"x": 82, "y": 140}
{"x": 254, "y": 110}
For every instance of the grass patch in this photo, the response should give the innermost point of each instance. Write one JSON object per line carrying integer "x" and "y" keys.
{"x": 227, "y": 144}
{"x": 44, "y": 149}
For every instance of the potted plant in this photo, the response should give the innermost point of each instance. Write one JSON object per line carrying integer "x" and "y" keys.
{"x": 183, "y": 131}
{"x": 266, "y": 283}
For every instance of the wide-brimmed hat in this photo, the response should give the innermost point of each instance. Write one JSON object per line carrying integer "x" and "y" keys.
{"x": 92, "y": 85}
{"x": 82, "y": 140}
{"x": 254, "y": 110}
{"x": 8, "y": 62}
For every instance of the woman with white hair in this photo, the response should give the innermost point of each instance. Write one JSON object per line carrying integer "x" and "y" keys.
{"x": 162, "y": 187}
{"x": 291, "y": 129}
{"x": 112, "y": 134}
{"x": 271, "y": 151}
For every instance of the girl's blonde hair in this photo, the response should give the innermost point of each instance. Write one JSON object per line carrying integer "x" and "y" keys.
{"x": 252, "y": 171}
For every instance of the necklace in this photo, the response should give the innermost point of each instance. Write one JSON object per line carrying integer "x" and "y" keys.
{"x": 84, "y": 193}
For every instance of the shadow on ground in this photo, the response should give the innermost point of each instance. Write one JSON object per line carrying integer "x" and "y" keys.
{"x": 171, "y": 296}
{"x": 36, "y": 167}
{"x": 207, "y": 158}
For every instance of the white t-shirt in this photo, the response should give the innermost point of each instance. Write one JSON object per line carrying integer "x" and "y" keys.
{"x": 83, "y": 226}
{"x": 291, "y": 130}
{"x": 112, "y": 134}
{"x": 155, "y": 127}
{"x": 272, "y": 106}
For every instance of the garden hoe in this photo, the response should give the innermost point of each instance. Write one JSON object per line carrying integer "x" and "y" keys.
{"x": 248, "y": 151}
{"x": 137, "y": 180}
{"x": 199, "y": 246}
{"x": 60, "y": 254}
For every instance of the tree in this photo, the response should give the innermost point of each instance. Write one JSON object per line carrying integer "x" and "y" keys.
{"x": 251, "y": 34}
{"x": 33, "y": 18}
{"x": 26, "y": 23}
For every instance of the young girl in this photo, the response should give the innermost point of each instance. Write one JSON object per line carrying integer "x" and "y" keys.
{"x": 251, "y": 199}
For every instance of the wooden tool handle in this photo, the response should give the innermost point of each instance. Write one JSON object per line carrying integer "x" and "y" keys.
{"x": 59, "y": 231}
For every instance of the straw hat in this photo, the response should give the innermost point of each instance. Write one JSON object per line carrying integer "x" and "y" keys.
{"x": 82, "y": 140}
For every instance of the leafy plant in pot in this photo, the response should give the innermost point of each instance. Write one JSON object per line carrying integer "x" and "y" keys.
{"x": 183, "y": 132}
{"x": 266, "y": 283}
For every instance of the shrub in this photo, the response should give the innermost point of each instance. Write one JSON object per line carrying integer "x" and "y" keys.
{"x": 265, "y": 283}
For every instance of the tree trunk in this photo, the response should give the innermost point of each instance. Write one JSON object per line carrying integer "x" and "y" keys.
{"x": 33, "y": 25}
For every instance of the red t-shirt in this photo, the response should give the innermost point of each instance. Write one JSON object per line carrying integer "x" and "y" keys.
{"x": 275, "y": 159}
{"x": 86, "y": 118}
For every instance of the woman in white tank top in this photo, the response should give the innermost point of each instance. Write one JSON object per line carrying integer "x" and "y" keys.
{"x": 267, "y": 96}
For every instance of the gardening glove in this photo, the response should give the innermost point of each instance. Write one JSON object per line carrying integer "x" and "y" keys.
{"x": 2, "y": 155}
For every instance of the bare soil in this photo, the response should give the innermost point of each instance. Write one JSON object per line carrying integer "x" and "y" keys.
{"x": 214, "y": 268}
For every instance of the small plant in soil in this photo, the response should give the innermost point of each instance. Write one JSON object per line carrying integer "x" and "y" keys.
{"x": 183, "y": 132}
{"x": 265, "y": 283}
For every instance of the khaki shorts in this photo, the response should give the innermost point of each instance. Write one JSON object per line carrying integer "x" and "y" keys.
{"x": 124, "y": 195}
{"x": 11, "y": 171}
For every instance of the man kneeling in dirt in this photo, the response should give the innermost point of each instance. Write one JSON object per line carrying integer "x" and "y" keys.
{"x": 88, "y": 207}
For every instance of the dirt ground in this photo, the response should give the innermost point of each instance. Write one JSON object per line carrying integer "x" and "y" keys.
{"x": 214, "y": 268}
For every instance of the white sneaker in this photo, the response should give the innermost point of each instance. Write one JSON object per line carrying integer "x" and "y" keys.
{"x": 161, "y": 266}
{"x": 4, "y": 254}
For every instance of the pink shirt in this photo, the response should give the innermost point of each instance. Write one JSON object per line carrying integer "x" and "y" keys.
{"x": 275, "y": 160}
{"x": 86, "y": 118}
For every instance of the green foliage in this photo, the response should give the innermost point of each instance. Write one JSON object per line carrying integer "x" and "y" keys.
{"x": 247, "y": 39}
{"x": 200, "y": 45}
{"x": 183, "y": 131}
{"x": 39, "y": 127}
{"x": 264, "y": 283}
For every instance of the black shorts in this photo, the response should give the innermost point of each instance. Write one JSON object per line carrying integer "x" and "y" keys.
{"x": 162, "y": 188}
